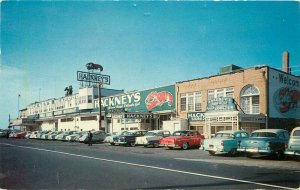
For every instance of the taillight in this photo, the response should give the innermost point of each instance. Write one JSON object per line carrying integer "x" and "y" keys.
{"x": 286, "y": 145}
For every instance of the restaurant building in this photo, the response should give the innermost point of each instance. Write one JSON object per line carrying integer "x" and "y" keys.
{"x": 237, "y": 98}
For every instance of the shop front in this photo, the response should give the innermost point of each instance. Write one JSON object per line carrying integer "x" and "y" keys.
{"x": 140, "y": 109}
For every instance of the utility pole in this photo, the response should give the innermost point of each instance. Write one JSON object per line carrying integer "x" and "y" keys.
{"x": 99, "y": 98}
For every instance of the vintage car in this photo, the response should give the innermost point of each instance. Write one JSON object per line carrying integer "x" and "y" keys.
{"x": 98, "y": 137}
{"x": 113, "y": 137}
{"x": 265, "y": 142}
{"x": 224, "y": 142}
{"x": 21, "y": 135}
{"x": 62, "y": 136}
{"x": 129, "y": 137}
{"x": 182, "y": 139}
{"x": 293, "y": 147}
{"x": 72, "y": 137}
{"x": 152, "y": 138}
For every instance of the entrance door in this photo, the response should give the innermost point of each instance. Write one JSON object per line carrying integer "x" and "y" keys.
{"x": 56, "y": 126}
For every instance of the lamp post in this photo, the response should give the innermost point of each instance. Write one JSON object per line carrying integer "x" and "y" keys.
{"x": 99, "y": 98}
{"x": 19, "y": 96}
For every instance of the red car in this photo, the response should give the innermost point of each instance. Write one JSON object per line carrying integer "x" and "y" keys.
{"x": 20, "y": 135}
{"x": 182, "y": 139}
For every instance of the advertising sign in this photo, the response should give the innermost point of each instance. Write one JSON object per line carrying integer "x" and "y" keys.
{"x": 139, "y": 116}
{"x": 157, "y": 99}
{"x": 284, "y": 95}
{"x": 93, "y": 77}
{"x": 221, "y": 104}
{"x": 196, "y": 116}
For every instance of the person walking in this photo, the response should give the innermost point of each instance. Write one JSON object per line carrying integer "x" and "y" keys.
{"x": 90, "y": 136}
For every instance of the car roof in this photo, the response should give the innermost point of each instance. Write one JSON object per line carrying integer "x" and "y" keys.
{"x": 157, "y": 131}
{"x": 296, "y": 128}
{"x": 269, "y": 130}
{"x": 231, "y": 131}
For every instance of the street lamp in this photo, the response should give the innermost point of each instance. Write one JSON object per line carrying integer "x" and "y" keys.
{"x": 19, "y": 96}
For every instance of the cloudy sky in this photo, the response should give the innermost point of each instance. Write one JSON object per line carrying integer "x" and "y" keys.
{"x": 139, "y": 44}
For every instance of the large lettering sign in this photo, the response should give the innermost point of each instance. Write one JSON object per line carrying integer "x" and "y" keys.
{"x": 158, "y": 99}
{"x": 93, "y": 77}
{"x": 284, "y": 95}
{"x": 196, "y": 116}
{"x": 221, "y": 104}
{"x": 139, "y": 116}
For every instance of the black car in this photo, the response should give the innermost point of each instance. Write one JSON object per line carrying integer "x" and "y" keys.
{"x": 128, "y": 138}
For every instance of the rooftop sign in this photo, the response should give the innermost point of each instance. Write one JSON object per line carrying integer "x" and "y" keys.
{"x": 93, "y": 77}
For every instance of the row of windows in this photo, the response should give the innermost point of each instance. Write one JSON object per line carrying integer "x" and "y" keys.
{"x": 190, "y": 102}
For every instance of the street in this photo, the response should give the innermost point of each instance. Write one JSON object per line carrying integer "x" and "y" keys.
{"x": 36, "y": 164}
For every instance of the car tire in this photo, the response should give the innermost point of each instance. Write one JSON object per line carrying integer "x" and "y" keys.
{"x": 185, "y": 146}
{"x": 212, "y": 153}
{"x": 113, "y": 144}
{"x": 233, "y": 152}
{"x": 171, "y": 148}
{"x": 155, "y": 145}
{"x": 132, "y": 144}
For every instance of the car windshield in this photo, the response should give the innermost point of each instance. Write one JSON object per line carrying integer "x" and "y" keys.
{"x": 180, "y": 133}
{"x": 148, "y": 134}
{"x": 224, "y": 135}
{"x": 128, "y": 133}
{"x": 263, "y": 134}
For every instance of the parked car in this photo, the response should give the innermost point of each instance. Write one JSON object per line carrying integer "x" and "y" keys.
{"x": 293, "y": 148}
{"x": 40, "y": 134}
{"x": 98, "y": 136}
{"x": 33, "y": 135}
{"x": 46, "y": 135}
{"x": 62, "y": 136}
{"x": 4, "y": 132}
{"x": 265, "y": 142}
{"x": 77, "y": 137}
{"x": 151, "y": 138}
{"x": 182, "y": 139}
{"x": 71, "y": 138}
{"x": 53, "y": 135}
{"x": 129, "y": 137}
{"x": 224, "y": 142}
{"x": 20, "y": 135}
{"x": 28, "y": 134}
{"x": 110, "y": 138}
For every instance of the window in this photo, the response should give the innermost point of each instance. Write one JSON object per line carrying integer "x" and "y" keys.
{"x": 221, "y": 92}
{"x": 250, "y": 100}
{"x": 190, "y": 101}
{"x": 183, "y": 102}
{"x": 90, "y": 99}
{"x": 198, "y": 101}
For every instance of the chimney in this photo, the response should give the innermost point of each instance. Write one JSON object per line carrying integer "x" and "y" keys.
{"x": 286, "y": 62}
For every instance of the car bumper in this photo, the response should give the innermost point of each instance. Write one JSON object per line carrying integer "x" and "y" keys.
{"x": 170, "y": 145}
{"x": 255, "y": 150}
{"x": 292, "y": 153}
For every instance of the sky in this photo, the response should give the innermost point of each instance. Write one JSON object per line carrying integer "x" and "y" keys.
{"x": 139, "y": 44}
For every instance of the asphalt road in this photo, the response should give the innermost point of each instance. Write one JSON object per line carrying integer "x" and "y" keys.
{"x": 35, "y": 164}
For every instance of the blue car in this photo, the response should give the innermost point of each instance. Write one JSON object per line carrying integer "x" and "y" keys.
{"x": 224, "y": 142}
{"x": 265, "y": 142}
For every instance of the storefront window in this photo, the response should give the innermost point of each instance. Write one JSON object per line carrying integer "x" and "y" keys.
{"x": 250, "y": 100}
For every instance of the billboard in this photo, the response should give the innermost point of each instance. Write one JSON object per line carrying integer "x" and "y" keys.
{"x": 152, "y": 100}
{"x": 284, "y": 95}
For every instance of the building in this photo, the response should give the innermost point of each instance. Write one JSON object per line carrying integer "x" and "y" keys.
{"x": 237, "y": 98}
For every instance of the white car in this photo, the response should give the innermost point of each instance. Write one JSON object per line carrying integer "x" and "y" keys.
{"x": 63, "y": 135}
{"x": 71, "y": 138}
{"x": 110, "y": 139}
{"x": 33, "y": 135}
{"x": 98, "y": 136}
{"x": 152, "y": 138}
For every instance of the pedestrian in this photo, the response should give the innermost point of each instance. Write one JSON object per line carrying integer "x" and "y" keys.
{"x": 90, "y": 136}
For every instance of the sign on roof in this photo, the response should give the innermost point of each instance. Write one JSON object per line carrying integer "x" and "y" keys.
{"x": 93, "y": 77}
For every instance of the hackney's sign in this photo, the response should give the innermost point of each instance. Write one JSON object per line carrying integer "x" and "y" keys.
{"x": 93, "y": 77}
